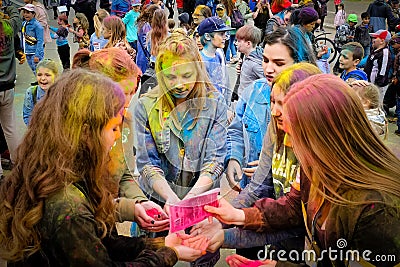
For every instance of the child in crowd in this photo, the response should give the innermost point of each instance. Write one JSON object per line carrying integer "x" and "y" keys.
{"x": 184, "y": 21}
{"x": 80, "y": 30}
{"x": 114, "y": 31}
{"x": 212, "y": 32}
{"x": 32, "y": 37}
{"x": 248, "y": 37}
{"x": 130, "y": 23}
{"x": 229, "y": 47}
{"x": 395, "y": 43}
{"x": 60, "y": 35}
{"x": 97, "y": 40}
{"x": 171, "y": 25}
{"x": 46, "y": 73}
{"x": 379, "y": 62}
{"x": 362, "y": 33}
{"x": 340, "y": 17}
{"x": 349, "y": 58}
{"x": 344, "y": 34}
{"x": 369, "y": 96}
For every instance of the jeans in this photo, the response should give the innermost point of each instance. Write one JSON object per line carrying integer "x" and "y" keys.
{"x": 64, "y": 54}
{"x": 231, "y": 48}
{"x": 31, "y": 63}
{"x": 8, "y": 124}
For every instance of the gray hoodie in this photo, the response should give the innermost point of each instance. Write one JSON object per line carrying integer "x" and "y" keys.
{"x": 251, "y": 69}
{"x": 8, "y": 29}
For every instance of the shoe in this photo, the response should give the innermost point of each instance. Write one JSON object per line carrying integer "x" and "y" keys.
{"x": 316, "y": 30}
{"x": 322, "y": 30}
{"x": 392, "y": 120}
{"x": 397, "y": 132}
{"x": 34, "y": 83}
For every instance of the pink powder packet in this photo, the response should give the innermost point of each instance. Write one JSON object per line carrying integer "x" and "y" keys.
{"x": 190, "y": 211}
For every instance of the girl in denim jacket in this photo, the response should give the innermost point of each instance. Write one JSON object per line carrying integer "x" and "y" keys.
{"x": 180, "y": 129}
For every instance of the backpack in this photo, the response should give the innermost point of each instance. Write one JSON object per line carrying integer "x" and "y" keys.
{"x": 237, "y": 19}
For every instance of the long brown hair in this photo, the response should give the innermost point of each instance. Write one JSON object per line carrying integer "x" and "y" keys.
{"x": 118, "y": 31}
{"x": 63, "y": 145}
{"x": 146, "y": 16}
{"x": 159, "y": 30}
{"x": 335, "y": 143}
{"x": 284, "y": 81}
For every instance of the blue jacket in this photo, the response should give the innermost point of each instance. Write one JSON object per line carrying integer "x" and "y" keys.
{"x": 142, "y": 53}
{"x": 35, "y": 29}
{"x": 180, "y": 156}
{"x": 247, "y": 130}
{"x": 120, "y": 7}
{"x": 29, "y": 103}
{"x": 355, "y": 74}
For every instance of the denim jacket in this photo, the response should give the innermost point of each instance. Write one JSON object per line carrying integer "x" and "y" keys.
{"x": 180, "y": 156}
{"x": 29, "y": 103}
{"x": 247, "y": 130}
{"x": 35, "y": 29}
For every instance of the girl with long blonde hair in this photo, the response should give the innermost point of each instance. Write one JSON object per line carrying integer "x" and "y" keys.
{"x": 158, "y": 32}
{"x": 180, "y": 128}
{"x": 114, "y": 31}
{"x": 97, "y": 40}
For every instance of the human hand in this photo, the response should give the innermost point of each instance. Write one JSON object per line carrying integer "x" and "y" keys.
{"x": 187, "y": 251}
{"x": 170, "y": 201}
{"x": 234, "y": 174}
{"x": 239, "y": 261}
{"x": 249, "y": 172}
{"x": 36, "y": 59}
{"x": 359, "y": 83}
{"x": 150, "y": 223}
{"x": 226, "y": 213}
{"x": 212, "y": 230}
{"x": 22, "y": 57}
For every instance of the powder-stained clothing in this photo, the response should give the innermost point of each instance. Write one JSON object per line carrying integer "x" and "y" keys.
{"x": 29, "y": 102}
{"x": 70, "y": 237}
{"x": 374, "y": 227}
{"x": 180, "y": 156}
{"x": 247, "y": 130}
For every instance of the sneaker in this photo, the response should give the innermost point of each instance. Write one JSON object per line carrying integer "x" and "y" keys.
{"x": 317, "y": 30}
{"x": 397, "y": 132}
{"x": 322, "y": 30}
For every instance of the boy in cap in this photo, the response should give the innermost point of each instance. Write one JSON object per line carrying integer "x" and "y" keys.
{"x": 212, "y": 32}
{"x": 130, "y": 23}
{"x": 378, "y": 63}
{"x": 345, "y": 33}
{"x": 32, "y": 37}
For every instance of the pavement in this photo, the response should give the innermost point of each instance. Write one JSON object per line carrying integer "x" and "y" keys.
{"x": 25, "y": 77}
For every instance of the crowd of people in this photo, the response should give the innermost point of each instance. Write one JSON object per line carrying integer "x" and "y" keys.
{"x": 144, "y": 116}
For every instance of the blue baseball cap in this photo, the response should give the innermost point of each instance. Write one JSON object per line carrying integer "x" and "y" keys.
{"x": 212, "y": 24}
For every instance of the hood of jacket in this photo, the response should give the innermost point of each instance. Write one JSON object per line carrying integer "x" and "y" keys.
{"x": 255, "y": 55}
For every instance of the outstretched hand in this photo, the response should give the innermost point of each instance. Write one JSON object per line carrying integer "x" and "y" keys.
{"x": 240, "y": 261}
{"x": 156, "y": 223}
{"x": 187, "y": 249}
{"x": 226, "y": 213}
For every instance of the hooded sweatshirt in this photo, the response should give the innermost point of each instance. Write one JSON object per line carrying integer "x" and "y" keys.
{"x": 379, "y": 12}
{"x": 8, "y": 29}
{"x": 251, "y": 69}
